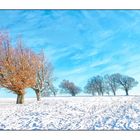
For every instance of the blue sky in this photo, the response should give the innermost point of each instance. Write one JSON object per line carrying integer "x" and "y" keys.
{"x": 80, "y": 43}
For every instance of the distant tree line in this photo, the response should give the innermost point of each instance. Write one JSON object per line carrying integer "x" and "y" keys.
{"x": 101, "y": 85}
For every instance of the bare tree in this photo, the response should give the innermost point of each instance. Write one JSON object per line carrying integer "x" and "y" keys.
{"x": 96, "y": 84}
{"x": 126, "y": 82}
{"x": 69, "y": 87}
{"x": 90, "y": 87}
{"x": 112, "y": 84}
{"x": 44, "y": 77}
{"x": 50, "y": 90}
{"x": 17, "y": 67}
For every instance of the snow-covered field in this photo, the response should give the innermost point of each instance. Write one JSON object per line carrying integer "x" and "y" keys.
{"x": 71, "y": 113}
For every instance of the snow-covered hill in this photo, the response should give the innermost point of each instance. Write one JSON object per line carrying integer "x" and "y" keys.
{"x": 71, "y": 113}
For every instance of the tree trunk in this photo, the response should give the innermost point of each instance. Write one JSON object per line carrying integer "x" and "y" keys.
{"x": 126, "y": 90}
{"x": 20, "y": 99}
{"x": 107, "y": 93}
{"x": 38, "y": 95}
{"x": 93, "y": 94}
{"x": 102, "y": 93}
{"x": 54, "y": 93}
{"x": 73, "y": 94}
{"x": 114, "y": 93}
{"x": 99, "y": 94}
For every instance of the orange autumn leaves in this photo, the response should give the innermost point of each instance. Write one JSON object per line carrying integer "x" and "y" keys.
{"x": 18, "y": 65}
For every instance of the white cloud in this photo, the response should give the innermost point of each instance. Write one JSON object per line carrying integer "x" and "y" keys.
{"x": 100, "y": 62}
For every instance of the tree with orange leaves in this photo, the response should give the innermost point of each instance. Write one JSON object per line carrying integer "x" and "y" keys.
{"x": 18, "y": 67}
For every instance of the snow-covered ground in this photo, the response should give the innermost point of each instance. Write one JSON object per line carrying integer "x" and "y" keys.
{"x": 71, "y": 113}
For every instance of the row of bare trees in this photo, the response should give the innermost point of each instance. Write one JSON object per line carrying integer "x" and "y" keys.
{"x": 21, "y": 68}
{"x": 100, "y": 85}
{"x": 110, "y": 83}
